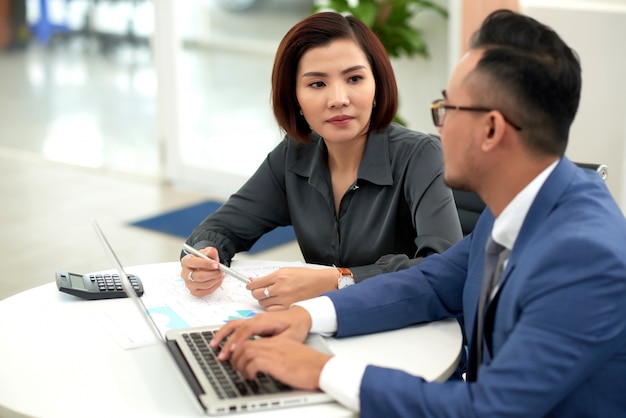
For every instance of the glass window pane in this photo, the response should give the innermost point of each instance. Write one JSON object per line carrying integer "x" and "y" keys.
{"x": 225, "y": 65}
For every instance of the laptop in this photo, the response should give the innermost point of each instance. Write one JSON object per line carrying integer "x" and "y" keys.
{"x": 217, "y": 386}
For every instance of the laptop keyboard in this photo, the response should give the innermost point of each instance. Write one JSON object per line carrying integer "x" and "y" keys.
{"x": 227, "y": 382}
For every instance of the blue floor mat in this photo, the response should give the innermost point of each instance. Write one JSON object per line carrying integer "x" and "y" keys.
{"x": 181, "y": 222}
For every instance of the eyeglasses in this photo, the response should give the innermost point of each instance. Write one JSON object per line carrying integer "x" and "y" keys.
{"x": 439, "y": 109}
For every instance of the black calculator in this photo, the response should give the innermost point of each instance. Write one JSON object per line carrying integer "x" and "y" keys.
{"x": 96, "y": 285}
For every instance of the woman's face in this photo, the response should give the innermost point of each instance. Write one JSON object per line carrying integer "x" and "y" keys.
{"x": 335, "y": 88}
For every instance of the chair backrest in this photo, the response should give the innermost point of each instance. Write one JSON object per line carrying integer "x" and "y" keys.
{"x": 469, "y": 205}
{"x": 601, "y": 169}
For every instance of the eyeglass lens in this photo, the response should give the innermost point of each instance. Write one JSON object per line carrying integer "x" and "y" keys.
{"x": 438, "y": 111}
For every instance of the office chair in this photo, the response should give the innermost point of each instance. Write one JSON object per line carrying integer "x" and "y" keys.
{"x": 469, "y": 205}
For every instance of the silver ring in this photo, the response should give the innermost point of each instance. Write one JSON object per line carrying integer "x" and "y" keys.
{"x": 266, "y": 292}
{"x": 189, "y": 276}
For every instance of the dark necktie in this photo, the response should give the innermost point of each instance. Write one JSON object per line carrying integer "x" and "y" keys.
{"x": 495, "y": 256}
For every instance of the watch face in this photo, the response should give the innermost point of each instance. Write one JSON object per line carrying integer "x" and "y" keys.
{"x": 345, "y": 281}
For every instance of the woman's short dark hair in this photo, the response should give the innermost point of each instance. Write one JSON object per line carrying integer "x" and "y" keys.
{"x": 318, "y": 30}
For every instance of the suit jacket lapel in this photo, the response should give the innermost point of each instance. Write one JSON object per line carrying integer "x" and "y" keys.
{"x": 541, "y": 208}
{"x": 544, "y": 203}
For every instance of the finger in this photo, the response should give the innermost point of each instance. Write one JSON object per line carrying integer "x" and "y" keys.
{"x": 259, "y": 283}
{"x": 193, "y": 262}
{"x": 276, "y": 307}
{"x": 205, "y": 288}
{"x": 211, "y": 252}
{"x": 262, "y": 293}
{"x": 224, "y": 332}
{"x": 249, "y": 357}
{"x": 186, "y": 268}
{"x": 266, "y": 302}
{"x": 189, "y": 276}
{"x": 240, "y": 332}
{"x": 257, "y": 294}
{"x": 275, "y": 303}
{"x": 288, "y": 361}
{"x": 185, "y": 261}
{"x": 201, "y": 287}
{"x": 262, "y": 325}
{"x": 204, "y": 276}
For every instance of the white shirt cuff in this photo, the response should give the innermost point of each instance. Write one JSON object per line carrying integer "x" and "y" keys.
{"x": 323, "y": 315}
{"x": 341, "y": 378}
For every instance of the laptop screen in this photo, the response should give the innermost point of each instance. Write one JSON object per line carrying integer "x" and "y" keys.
{"x": 126, "y": 285}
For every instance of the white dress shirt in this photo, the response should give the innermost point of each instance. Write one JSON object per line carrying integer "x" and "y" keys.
{"x": 341, "y": 376}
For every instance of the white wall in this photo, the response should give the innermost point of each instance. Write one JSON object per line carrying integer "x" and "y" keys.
{"x": 597, "y": 31}
{"x": 199, "y": 22}
{"x": 420, "y": 80}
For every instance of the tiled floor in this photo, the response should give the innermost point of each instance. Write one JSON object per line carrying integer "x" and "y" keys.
{"x": 46, "y": 212}
{"x": 70, "y": 103}
{"x": 47, "y": 199}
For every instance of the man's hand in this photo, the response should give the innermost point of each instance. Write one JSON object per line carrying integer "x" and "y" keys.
{"x": 285, "y": 359}
{"x": 293, "y": 324}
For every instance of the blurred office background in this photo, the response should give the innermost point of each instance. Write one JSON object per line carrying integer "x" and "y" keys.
{"x": 120, "y": 110}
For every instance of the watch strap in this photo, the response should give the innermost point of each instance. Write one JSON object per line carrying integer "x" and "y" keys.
{"x": 343, "y": 271}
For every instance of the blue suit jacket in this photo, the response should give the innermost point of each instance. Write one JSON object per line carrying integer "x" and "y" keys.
{"x": 558, "y": 338}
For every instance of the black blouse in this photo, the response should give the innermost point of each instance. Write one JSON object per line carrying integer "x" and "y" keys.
{"x": 398, "y": 211}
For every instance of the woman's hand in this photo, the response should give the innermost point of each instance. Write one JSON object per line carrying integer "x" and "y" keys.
{"x": 281, "y": 288}
{"x": 202, "y": 277}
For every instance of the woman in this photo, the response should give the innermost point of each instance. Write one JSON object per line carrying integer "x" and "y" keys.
{"x": 361, "y": 192}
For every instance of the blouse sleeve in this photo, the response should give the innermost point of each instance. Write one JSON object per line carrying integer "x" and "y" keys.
{"x": 256, "y": 208}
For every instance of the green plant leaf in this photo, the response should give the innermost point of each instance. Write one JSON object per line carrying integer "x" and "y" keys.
{"x": 398, "y": 119}
{"x": 366, "y": 12}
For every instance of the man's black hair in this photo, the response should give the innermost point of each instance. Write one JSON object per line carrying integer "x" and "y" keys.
{"x": 531, "y": 64}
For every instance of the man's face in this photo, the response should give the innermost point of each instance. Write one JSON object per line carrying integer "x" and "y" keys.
{"x": 458, "y": 139}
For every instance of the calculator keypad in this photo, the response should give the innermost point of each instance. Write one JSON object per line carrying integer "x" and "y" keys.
{"x": 112, "y": 282}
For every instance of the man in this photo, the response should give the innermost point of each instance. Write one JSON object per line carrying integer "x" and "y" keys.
{"x": 551, "y": 338}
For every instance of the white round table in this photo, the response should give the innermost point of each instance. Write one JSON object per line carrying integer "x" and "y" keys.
{"x": 57, "y": 360}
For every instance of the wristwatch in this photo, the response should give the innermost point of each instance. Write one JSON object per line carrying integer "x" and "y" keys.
{"x": 346, "y": 278}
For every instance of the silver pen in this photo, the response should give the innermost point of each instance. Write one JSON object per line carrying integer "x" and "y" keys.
{"x": 190, "y": 250}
